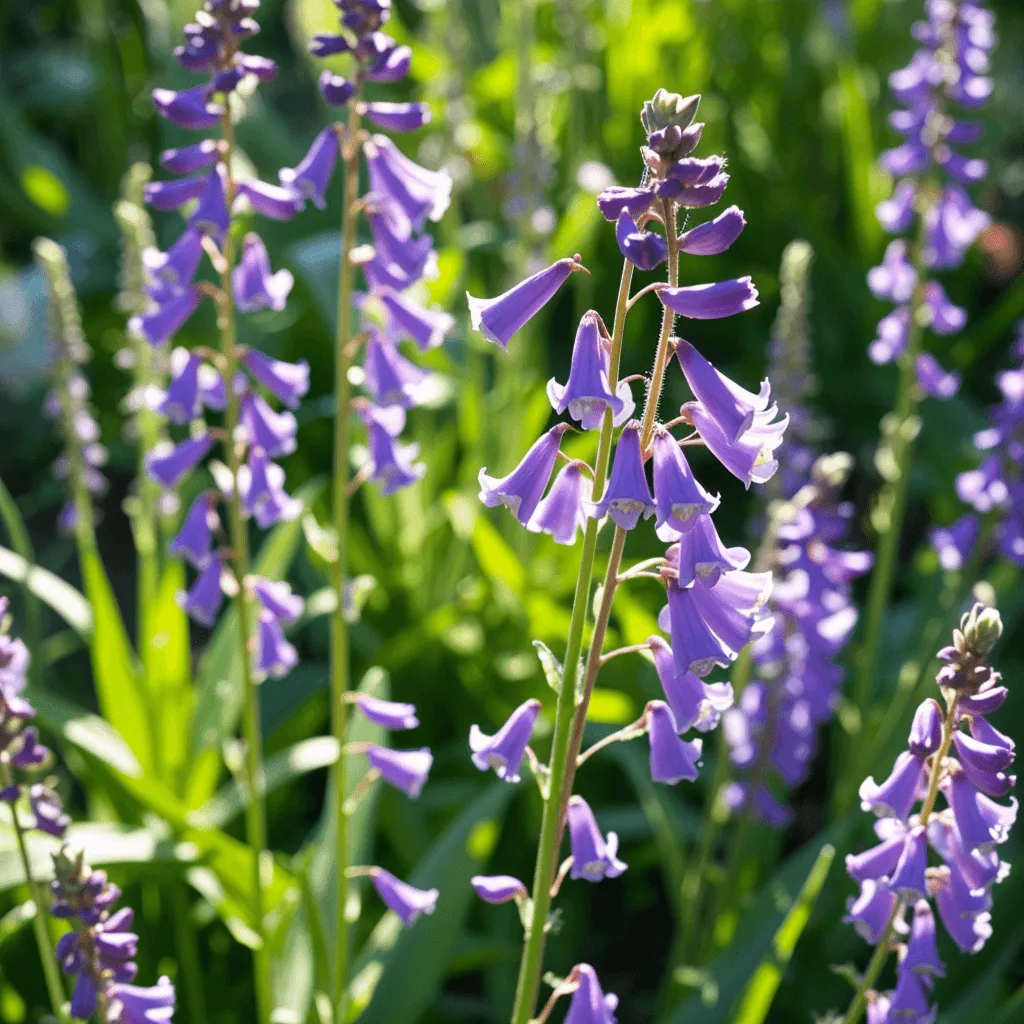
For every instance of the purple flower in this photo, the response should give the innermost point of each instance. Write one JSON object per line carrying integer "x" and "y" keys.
{"x": 869, "y": 913}
{"x": 413, "y": 194}
{"x": 390, "y": 66}
{"x": 964, "y": 912}
{"x": 190, "y": 108}
{"x": 589, "y": 1003}
{"x": 386, "y": 713}
{"x": 501, "y": 317}
{"x": 427, "y": 327}
{"x": 672, "y": 759}
{"x": 710, "y": 301}
{"x": 336, "y": 89}
{"x": 933, "y": 379}
{"x": 274, "y": 201}
{"x": 644, "y": 249}
{"x": 926, "y": 731}
{"x": 627, "y": 495}
{"x": 255, "y": 286}
{"x": 616, "y": 200}
{"x": 521, "y": 491}
{"x": 199, "y": 157}
{"x": 955, "y": 542}
{"x": 47, "y": 810}
{"x": 131, "y": 1004}
{"x": 405, "y": 900}
{"x": 922, "y": 954}
{"x": 277, "y": 599}
{"x": 498, "y": 888}
{"x": 390, "y": 377}
{"x": 261, "y": 485}
{"x": 274, "y": 432}
{"x": 694, "y": 703}
{"x": 170, "y": 195}
{"x": 678, "y": 497}
{"x": 561, "y": 513}
{"x": 895, "y": 279}
{"x": 203, "y": 601}
{"x": 896, "y": 214}
{"x": 194, "y": 541}
{"x": 750, "y": 458}
{"x": 275, "y": 656}
{"x": 311, "y": 176}
{"x": 504, "y": 751}
{"x": 908, "y": 876}
{"x": 398, "y": 117}
{"x": 288, "y": 382}
{"x": 211, "y": 216}
{"x": 168, "y": 464}
{"x": 898, "y": 794}
{"x": 175, "y": 268}
{"x": 695, "y": 182}
{"x": 587, "y": 393}
{"x": 593, "y": 856}
{"x": 700, "y": 555}
{"x": 713, "y": 236}
{"x": 162, "y": 322}
{"x": 943, "y": 316}
{"x": 406, "y": 770}
{"x": 893, "y": 331}
{"x": 183, "y": 400}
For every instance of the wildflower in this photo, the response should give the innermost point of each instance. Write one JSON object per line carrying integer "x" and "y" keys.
{"x": 504, "y": 750}
{"x": 405, "y": 900}
{"x": 522, "y": 490}
{"x": 498, "y": 888}
{"x": 561, "y": 513}
{"x": 593, "y": 856}
{"x": 406, "y": 770}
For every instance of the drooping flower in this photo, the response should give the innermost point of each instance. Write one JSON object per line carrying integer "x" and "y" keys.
{"x": 679, "y": 498}
{"x": 590, "y": 1004}
{"x": 504, "y": 751}
{"x": 406, "y": 770}
{"x": 255, "y": 285}
{"x": 405, "y": 900}
{"x": 672, "y": 759}
{"x": 627, "y": 495}
{"x": 498, "y": 888}
{"x": 562, "y": 512}
{"x": 521, "y": 491}
{"x": 387, "y": 713}
{"x": 593, "y": 855}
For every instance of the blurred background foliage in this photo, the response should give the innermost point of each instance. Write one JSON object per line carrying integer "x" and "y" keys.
{"x": 535, "y": 110}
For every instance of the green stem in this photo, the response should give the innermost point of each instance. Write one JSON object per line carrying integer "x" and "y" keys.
{"x": 340, "y": 678}
{"x": 875, "y": 965}
{"x": 531, "y": 964}
{"x": 47, "y": 955}
{"x": 255, "y": 809}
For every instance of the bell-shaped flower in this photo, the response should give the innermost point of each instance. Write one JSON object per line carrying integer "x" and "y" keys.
{"x": 935, "y": 381}
{"x": 183, "y": 400}
{"x": 593, "y": 856}
{"x": 194, "y": 540}
{"x": 274, "y": 432}
{"x": 587, "y": 393}
{"x": 426, "y": 327}
{"x": 964, "y": 912}
{"x": 733, "y": 408}
{"x": 678, "y": 497}
{"x": 335, "y": 89}
{"x": 562, "y": 512}
{"x": 390, "y": 377}
{"x": 406, "y": 770}
{"x": 617, "y": 199}
{"x": 273, "y": 201}
{"x": 388, "y": 714}
{"x": 893, "y": 332}
{"x": 169, "y": 271}
{"x": 30, "y": 753}
{"x": 695, "y": 647}
{"x": 47, "y": 810}
{"x": 644, "y": 249}
{"x": 211, "y": 216}
{"x": 984, "y": 764}
{"x": 161, "y": 322}
{"x": 275, "y": 656}
{"x": 694, "y": 182}
{"x": 895, "y": 277}
{"x": 414, "y": 193}
{"x": 189, "y": 108}
{"x": 896, "y": 213}
{"x": 261, "y": 484}
{"x": 713, "y": 236}
{"x": 699, "y": 554}
{"x": 980, "y": 821}
{"x": 499, "y": 318}
{"x": 950, "y": 228}
{"x": 255, "y": 286}
{"x": 751, "y": 458}
{"x": 710, "y": 301}
{"x": 944, "y": 317}
{"x": 170, "y": 195}
{"x": 498, "y": 888}
{"x": 926, "y": 730}
{"x": 627, "y": 494}
{"x": 694, "y": 703}
{"x": 168, "y": 463}
{"x": 399, "y": 260}
{"x": 879, "y": 861}
{"x": 405, "y": 900}
{"x": 871, "y": 911}
{"x": 391, "y": 65}
{"x": 908, "y": 877}
{"x": 276, "y": 597}
{"x": 135, "y": 1004}
{"x": 394, "y": 465}
{"x": 954, "y": 543}
{"x": 589, "y": 1004}
{"x": 397, "y": 117}
{"x": 504, "y": 751}
{"x": 672, "y": 759}
{"x": 311, "y": 176}
{"x": 521, "y": 491}
{"x": 190, "y": 159}
{"x": 897, "y": 795}
{"x": 288, "y": 382}
{"x": 910, "y": 1000}
{"x": 984, "y": 488}
{"x": 204, "y": 599}
{"x": 985, "y": 703}
{"x": 922, "y": 956}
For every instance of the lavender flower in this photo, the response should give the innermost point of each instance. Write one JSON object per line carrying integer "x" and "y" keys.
{"x": 405, "y": 900}
{"x": 590, "y": 1005}
{"x": 498, "y": 888}
{"x": 504, "y": 751}
{"x": 521, "y": 491}
{"x": 389, "y": 714}
{"x": 965, "y": 768}
{"x": 406, "y": 770}
{"x": 593, "y": 856}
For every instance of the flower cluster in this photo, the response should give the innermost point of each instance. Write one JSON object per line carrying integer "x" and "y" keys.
{"x": 403, "y": 197}
{"x": 996, "y": 488}
{"x": 953, "y": 751}
{"x": 714, "y": 606}
{"x": 22, "y": 757}
{"x": 956, "y": 38}
{"x": 100, "y": 952}
{"x": 774, "y": 727}
{"x": 67, "y": 402}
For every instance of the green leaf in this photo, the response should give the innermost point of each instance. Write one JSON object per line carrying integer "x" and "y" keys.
{"x": 400, "y": 970}
{"x": 497, "y": 560}
{"x": 550, "y": 664}
{"x": 119, "y": 684}
{"x": 757, "y": 999}
{"x": 67, "y": 602}
{"x": 12, "y": 519}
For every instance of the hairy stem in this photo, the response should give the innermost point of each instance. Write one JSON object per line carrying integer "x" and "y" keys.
{"x": 340, "y": 669}
{"x": 255, "y": 808}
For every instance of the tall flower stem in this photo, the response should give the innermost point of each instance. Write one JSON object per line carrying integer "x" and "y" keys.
{"x": 571, "y": 712}
{"x": 340, "y": 680}
{"x": 47, "y": 955}
{"x": 255, "y": 809}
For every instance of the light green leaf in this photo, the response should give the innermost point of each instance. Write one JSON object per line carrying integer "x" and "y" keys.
{"x": 550, "y": 664}
{"x": 67, "y": 602}
{"x": 497, "y": 560}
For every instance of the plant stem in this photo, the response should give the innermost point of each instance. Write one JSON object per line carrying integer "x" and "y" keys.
{"x": 340, "y": 680}
{"x": 531, "y": 965}
{"x": 255, "y": 810}
{"x": 875, "y": 965}
{"x": 47, "y": 955}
